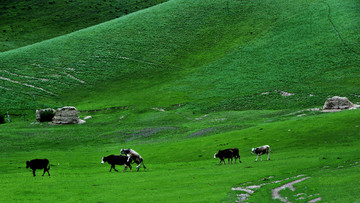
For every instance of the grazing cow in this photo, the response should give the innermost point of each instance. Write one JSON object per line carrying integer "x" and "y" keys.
{"x": 261, "y": 150}
{"x": 227, "y": 154}
{"x": 116, "y": 160}
{"x": 38, "y": 164}
{"x": 235, "y": 153}
{"x": 133, "y": 155}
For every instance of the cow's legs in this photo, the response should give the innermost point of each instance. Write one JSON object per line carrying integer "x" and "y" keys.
{"x": 34, "y": 172}
{"x": 138, "y": 166}
{"x": 113, "y": 166}
{"x": 46, "y": 170}
{"x": 258, "y": 157}
{"x": 268, "y": 156}
{"x": 125, "y": 168}
{"x": 238, "y": 159}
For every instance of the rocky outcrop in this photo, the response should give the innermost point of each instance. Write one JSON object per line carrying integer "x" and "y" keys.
{"x": 45, "y": 115}
{"x": 337, "y": 103}
{"x": 66, "y": 115}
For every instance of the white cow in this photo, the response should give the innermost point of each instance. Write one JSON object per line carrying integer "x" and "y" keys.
{"x": 133, "y": 155}
{"x": 261, "y": 150}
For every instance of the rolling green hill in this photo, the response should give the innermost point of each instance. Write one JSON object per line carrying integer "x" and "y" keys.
{"x": 177, "y": 82}
{"x": 219, "y": 54}
{"x": 207, "y": 54}
{"x": 27, "y": 22}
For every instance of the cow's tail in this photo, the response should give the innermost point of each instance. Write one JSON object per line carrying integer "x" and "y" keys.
{"x": 142, "y": 161}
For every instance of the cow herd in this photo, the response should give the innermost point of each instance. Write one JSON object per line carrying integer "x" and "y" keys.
{"x": 131, "y": 156}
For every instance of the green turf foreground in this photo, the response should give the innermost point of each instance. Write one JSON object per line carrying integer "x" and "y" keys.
{"x": 181, "y": 168}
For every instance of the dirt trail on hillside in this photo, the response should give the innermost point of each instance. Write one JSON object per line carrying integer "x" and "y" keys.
{"x": 250, "y": 189}
{"x": 27, "y": 85}
{"x": 275, "y": 192}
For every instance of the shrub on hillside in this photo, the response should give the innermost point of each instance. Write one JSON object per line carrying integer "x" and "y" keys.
{"x": 46, "y": 116}
{"x": 2, "y": 118}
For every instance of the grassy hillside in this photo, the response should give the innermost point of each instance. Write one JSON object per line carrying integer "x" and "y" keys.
{"x": 27, "y": 22}
{"x": 177, "y": 82}
{"x": 208, "y": 55}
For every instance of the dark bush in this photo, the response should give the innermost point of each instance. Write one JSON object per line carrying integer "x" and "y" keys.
{"x": 2, "y": 118}
{"x": 46, "y": 116}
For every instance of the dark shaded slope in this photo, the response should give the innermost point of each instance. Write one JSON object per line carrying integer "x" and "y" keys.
{"x": 27, "y": 22}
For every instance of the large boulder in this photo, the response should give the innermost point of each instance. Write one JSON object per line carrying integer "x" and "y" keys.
{"x": 45, "y": 115}
{"x": 66, "y": 115}
{"x": 338, "y": 103}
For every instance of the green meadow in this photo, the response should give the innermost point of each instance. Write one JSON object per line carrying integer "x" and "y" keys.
{"x": 177, "y": 81}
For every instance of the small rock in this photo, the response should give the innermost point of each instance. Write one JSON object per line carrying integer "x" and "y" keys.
{"x": 87, "y": 117}
{"x": 286, "y": 94}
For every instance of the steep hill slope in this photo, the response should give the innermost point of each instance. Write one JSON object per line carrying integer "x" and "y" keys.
{"x": 27, "y": 22}
{"x": 208, "y": 55}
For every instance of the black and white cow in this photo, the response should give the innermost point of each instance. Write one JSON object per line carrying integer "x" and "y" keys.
{"x": 133, "y": 155}
{"x": 116, "y": 160}
{"x": 261, "y": 150}
{"x": 227, "y": 154}
{"x": 39, "y": 164}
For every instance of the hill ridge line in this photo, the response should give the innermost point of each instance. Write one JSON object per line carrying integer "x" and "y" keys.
{"x": 338, "y": 33}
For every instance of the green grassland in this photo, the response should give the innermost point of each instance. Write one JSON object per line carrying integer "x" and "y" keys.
{"x": 178, "y": 80}
{"x": 180, "y": 164}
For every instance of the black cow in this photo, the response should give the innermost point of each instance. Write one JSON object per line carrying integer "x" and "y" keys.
{"x": 224, "y": 154}
{"x": 38, "y": 164}
{"x": 116, "y": 160}
{"x": 228, "y": 154}
{"x": 235, "y": 153}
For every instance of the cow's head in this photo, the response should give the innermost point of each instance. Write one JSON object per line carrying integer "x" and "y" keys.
{"x": 215, "y": 155}
{"x": 103, "y": 160}
{"x": 27, "y": 164}
{"x": 253, "y": 150}
{"x": 124, "y": 151}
